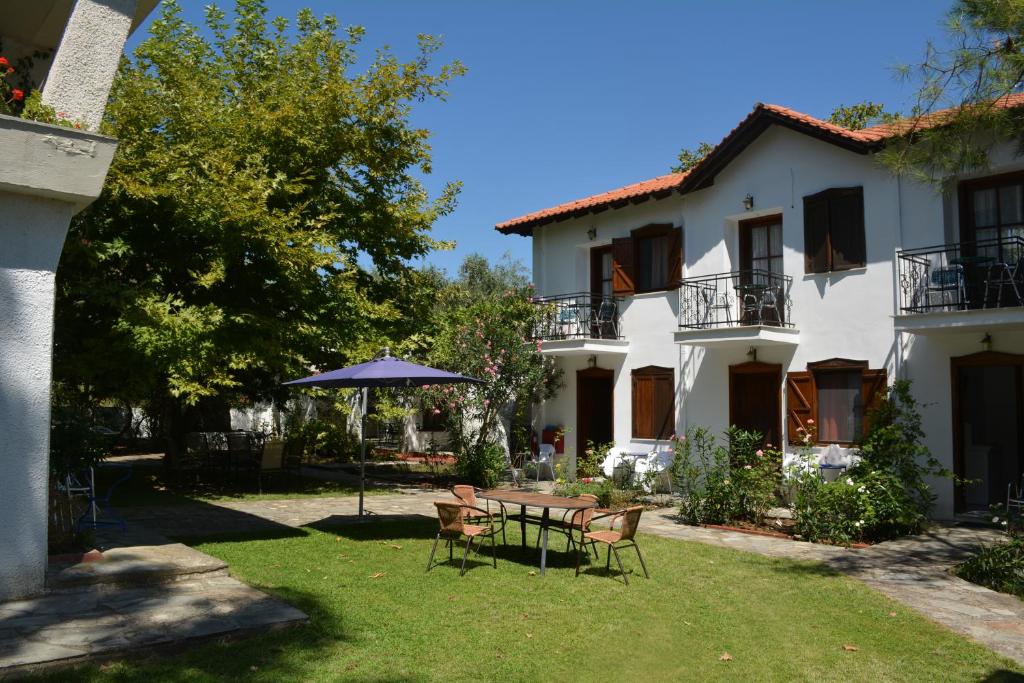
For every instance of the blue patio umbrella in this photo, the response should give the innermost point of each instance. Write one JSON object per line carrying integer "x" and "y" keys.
{"x": 383, "y": 371}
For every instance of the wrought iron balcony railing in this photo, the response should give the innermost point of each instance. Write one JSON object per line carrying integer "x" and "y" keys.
{"x": 739, "y": 298}
{"x": 578, "y": 316}
{"x": 962, "y": 276}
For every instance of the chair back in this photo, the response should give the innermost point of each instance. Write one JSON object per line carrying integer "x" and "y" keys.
{"x": 450, "y": 516}
{"x": 947, "y": 277}
{"x": 465, "y": 493}
{"x": 545, "y": 453}
{"x": 582, "y": 518}
{"x": 273, "y": 454}
{"x": 630, "y": 521}
{"x": 606, "y": 311}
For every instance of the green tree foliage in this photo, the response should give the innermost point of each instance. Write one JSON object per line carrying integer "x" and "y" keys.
{"x": 860, "y": 115}
{"x": 259, "y": 216}
{"x": 688, "y": 158}
{"x": 483, "y": 328}
{"x": 983, "y": 62}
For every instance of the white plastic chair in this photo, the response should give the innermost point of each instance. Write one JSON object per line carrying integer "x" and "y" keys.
{"x": 545, "y": 458}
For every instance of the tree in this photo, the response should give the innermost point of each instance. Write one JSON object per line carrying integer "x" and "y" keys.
{"x": 688, "y": 158}
{"x": 859, "y": 116}
{"x": 259, "y": 216}
{"x": 983, "y": 64}
{"x": 485, "y": 332}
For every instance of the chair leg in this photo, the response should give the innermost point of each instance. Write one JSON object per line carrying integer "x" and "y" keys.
{"x": 621, "y": 568}
{"x": 642, "y": 563}
{"x": 608, "y": 560}
{"x": 465, "y": 554}
{"x": 494, "y": 550}
{"x": 579, "y": 551}
{"x": 431, "y": 560}
{"x": 451, "y": 546}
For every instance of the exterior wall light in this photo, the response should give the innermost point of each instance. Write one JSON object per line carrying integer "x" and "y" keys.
{"x": 591, "y": 361}
{"x": 986, "y": 342}
{"x": 748, "y": 202}
{"x": 592, "y": 234}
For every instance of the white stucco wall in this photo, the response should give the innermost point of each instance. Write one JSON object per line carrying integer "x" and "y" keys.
{"x": 839, "y": 315}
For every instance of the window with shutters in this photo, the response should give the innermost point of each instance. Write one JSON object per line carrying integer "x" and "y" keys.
{"x": 649, "y": 260}
{"x": 832, "y": 399}
{"x": 834, "y": 230}
{"x": 992, "y": 213}
{"x": 653, "y": 403}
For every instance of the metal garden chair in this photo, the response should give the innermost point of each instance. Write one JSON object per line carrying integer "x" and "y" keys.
{"x": 623, "y": 538}
{"x": 466, "y": 494}
{"x": 454, "y": 527}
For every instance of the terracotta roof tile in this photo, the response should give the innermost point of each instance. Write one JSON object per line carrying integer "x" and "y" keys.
{"x": 865, "y": 139}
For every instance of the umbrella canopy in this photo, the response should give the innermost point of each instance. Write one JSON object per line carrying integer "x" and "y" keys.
{"x": 386, "y": 371}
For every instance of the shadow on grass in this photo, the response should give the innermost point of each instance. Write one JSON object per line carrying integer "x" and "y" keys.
{"x": 1003, "y": 676}
{"x": 377, "y": 527}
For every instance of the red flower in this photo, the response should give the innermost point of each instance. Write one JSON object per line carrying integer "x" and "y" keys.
{"x": 10, "y": 69}
{"x": 4, "y": 62}
{"x": 18, "y": 95}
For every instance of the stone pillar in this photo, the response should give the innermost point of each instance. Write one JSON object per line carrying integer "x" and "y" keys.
{"x": 32, "y": 231}
{"x": 85, "y": 64}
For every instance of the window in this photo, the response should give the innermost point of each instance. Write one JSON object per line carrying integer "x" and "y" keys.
{"x": 433, "y": 421}
{"x": 838, "y": 395}
{"x": 601, "y": 272}
{"x": 993, "y": 210}
{"x": 834, "y": 230}
{"x": 761, "y": 244}
{"x": 649, "y": 260}
{"x": 654, "y": 405}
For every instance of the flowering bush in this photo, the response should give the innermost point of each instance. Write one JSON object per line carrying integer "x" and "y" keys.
{"x": 11, "y": 98}
{"x": 723, "y": 484}
{"x": 589, "y": 462}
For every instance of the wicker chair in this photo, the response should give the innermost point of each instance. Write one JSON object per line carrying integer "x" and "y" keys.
{"x": 625, "y": 535}
{"x": 454, "y": 527}
{"x": 575, "y": 522}
{"x": 467, "y": 494}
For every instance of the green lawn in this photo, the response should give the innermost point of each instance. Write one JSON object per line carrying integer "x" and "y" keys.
{"x": 376, "y": 616}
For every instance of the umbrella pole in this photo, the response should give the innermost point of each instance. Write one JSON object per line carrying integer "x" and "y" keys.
{"x": 362, "y": 453}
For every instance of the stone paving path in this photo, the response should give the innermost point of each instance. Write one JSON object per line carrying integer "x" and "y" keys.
{"x": 914, "y": 571}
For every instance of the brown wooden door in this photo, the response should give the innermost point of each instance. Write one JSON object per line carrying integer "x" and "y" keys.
{"x": 594, "y": 406}
{"x": 755, "y": 399}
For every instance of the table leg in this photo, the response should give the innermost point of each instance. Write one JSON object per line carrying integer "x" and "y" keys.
{"x": 544, "y": 542}
{"x": 522, "y": 524}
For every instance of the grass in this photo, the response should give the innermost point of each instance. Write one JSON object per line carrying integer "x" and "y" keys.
{"x": 376, "y": 616}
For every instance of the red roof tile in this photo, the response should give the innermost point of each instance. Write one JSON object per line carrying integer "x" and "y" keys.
{"x": 863, "y": 140}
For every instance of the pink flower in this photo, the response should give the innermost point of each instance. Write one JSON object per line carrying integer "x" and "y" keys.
{"x": 426, "y": 386}
{"x": 800, "y": 429}
{"x": 437, "y": 411}
{"x": 760, "y": 453}
{"x": 810, "y": 421}
{"x": 452, "y": 406}
{"x": 487, "y": 402}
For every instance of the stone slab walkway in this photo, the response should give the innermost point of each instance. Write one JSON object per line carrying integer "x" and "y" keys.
{"x": 914, "y": 571}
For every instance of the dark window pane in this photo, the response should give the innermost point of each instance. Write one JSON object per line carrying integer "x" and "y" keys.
{"x": 815, "y": 235}
{"x": 840, "y": 408}
{"x": 652, "y": 262}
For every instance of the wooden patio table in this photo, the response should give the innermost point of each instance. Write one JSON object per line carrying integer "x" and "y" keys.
{"x": 525, "y": 499}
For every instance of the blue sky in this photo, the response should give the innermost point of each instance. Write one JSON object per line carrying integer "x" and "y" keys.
{"x": 567, "y": 98}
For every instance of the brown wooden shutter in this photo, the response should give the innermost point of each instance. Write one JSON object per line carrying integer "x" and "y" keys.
{"x": 816, "y": 216}
{"x": 664, "y": 405}
{"x": 846, "y": 228}
{"x": 643, "y": 402}
{"x": 622, "y": 266}
{"x": 801, "y": 404}
{"x": 873, "y": 388}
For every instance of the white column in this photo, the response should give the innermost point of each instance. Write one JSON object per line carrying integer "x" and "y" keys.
{"x": 86, "y": 60}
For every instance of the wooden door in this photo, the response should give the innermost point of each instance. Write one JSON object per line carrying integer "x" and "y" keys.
{"x": 755, "y": 399}
{"x": 594, "y": 406}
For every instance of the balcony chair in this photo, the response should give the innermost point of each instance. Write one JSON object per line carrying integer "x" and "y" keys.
{"x": 605, "y": 325}
{"x": 450, "y": 515}
{"x": 623, "y": 538}
{"x": 1002, "y": 276}
{"x": 715, "y": 301}
{"x": 466, "y": 495}
{"x": 943, "y": 280}
{"x": 570, "y": 324}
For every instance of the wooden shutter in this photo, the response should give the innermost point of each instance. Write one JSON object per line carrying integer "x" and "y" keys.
{"x": 801, "y": 404}
{"x": 622, "y": 266}
{"x": 664, "y": 405}
{"x": 816, "y": 216}
{"x": 675, "y": 258}
{"x": 643, "y": 403}
{"x": 846, "y": 228}
{"x": 873, "y": 388}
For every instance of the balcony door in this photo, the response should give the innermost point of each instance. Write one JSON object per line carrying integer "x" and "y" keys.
{"x": 601, "y": 272}
{"x": 993, "y": 214}
{"x": 755, "y": 399}
{"x": 759, "y": 293}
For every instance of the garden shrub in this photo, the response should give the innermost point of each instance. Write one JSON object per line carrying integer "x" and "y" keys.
{"x": 724, "y": 484}
{"x": 999, "y": 567}
{"x": 608, "y": 496}
{"x": 589, "y": 462}
{"x": 323, "y": 439}
{"x": 480, "y": 464}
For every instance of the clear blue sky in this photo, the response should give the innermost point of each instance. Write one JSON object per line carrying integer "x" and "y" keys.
{"x": 567, "y": 98}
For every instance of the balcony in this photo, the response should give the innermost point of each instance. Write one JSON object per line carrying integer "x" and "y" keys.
{"x": 968, "y": 286}
{"x": 580, "y": 324}
{"x": 742, "y": 307}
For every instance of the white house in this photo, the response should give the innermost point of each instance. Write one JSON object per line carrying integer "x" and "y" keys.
{"x": 789, "y": 277}
{"x": 47, "y": 174}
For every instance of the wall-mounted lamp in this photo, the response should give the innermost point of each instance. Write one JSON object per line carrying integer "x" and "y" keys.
{"x": 592, "y": 234}
{"x": 986, "y": 342}
{"x": 748, "y": 202}
{"x": 752, "y": 354}
{"x": 591, "y": 361}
